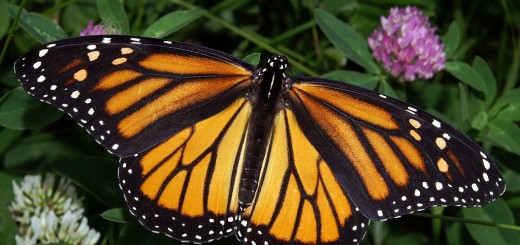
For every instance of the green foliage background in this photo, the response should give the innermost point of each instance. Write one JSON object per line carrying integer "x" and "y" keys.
{"x": 478, "y": 93}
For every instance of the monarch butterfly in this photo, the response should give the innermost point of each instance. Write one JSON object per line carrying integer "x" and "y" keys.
{"x": 211, "y": 146}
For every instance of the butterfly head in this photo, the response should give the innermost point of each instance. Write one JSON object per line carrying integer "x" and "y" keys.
{"x": 277, "y": 62}
{"x": 271, "y": 77}
{"x": 276, "y": 66}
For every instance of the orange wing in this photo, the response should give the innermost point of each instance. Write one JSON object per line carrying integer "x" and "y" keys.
{"x": 299, "y": 200}
{"x": 391, "y": 158}
{"x": 187, "y": 186}
{"x": 126, "y": 91}
{"x": 175, "y": 113}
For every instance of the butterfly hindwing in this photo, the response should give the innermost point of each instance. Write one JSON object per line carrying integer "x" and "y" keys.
{"x": 391, "y": 157}
{"x": 299, "y": 201}
{"x": 126, "y": 91}
{"x": 187, "y": 186}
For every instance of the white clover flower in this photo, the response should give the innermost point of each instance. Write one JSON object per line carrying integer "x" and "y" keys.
{"x": 49, "y": 213}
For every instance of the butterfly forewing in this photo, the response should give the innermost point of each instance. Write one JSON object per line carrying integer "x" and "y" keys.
{"x": 390, "y": 156}
{"x": 126, "y": 91}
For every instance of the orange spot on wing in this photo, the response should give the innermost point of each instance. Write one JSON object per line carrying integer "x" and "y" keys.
{"x": 153, "y": 183}
{"x": 284, "y": 223}
{"x": 442, "y": 165}
{"x": 415, "y": 135}
{"x": 307, "y": 227}
{"x": 191, "y": 65}
{"x": 71, "y": 65}
{"x": 392, "y": 163}
{"x": 234, "y": 202}
{"x": 305, "y": 156}
{"x": 123, "y": 100}
{"x": 80, "y": 75}
{"x": 116, "y": 79}
{"x": 193, "y": 205}
{"x": 441, "y": 143}
{"x": 207, "y": 131}
{"x": 171, "y": 196}
{"x": 362, "y": 110}
{"x": 220, "y": 189}
{"x": 163, "y": 150}
{"x": 126, "y": 51}
{"x": 456, "y": 161}
{"x": 329, "y": 230}
{"x": 119, "y": 61}
{"x": 411, "y": 152}
{"x": 339, "y": 199}
{"x": 269, "y": 191}
{"x": 92, "y": 56}
{"x": 414, "y": 123}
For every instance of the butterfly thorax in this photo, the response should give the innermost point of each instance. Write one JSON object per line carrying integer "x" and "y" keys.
{"x": 269, "y": 80}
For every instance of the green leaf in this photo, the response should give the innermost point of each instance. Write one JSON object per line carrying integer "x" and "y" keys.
{"x": 467, "y": 75}
{"x": 479, "y": 120}
{"x": 386, "y": 89}
{"x": 465, "y": 110}
{"x": 253, "y": 59}
{"x": 19, "y": 110}
{"x": 120, "y": 215}
{"x": 4, "y": 17}
{"x": 408, "y": 239}
{"x": 8, "y": 137}
{"x": 172, "y": 22}
{"x": 510, "y": 97}
{"x": 81, "y": 169}
{"x": 7, "y": 225}
{"x": 510, "y": 113}
{"x": 131, "y": 233}
{"x": 41, "y": 28}
{"x": 8, "y": 79}
{"x": 505, "y": 134}
{"x": 3, "y": 237}
{"x": 364, "y": 80}
{"x": 514, "y": 201}
{"x": 496, "y": 212}
{"x": 483, "y": 70}
{"x": 456, "y": 234}
{"x": 512, "y": 179}
{"x": 113, "y": 14}
{"x": 346, "y": 39}
{"x": 451, "y": 39}
{"x": 75, "y": 17}
{"x": 507, "y": 107}
{"x": 380, "y": 230}
{"x": 30, "y": 156}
